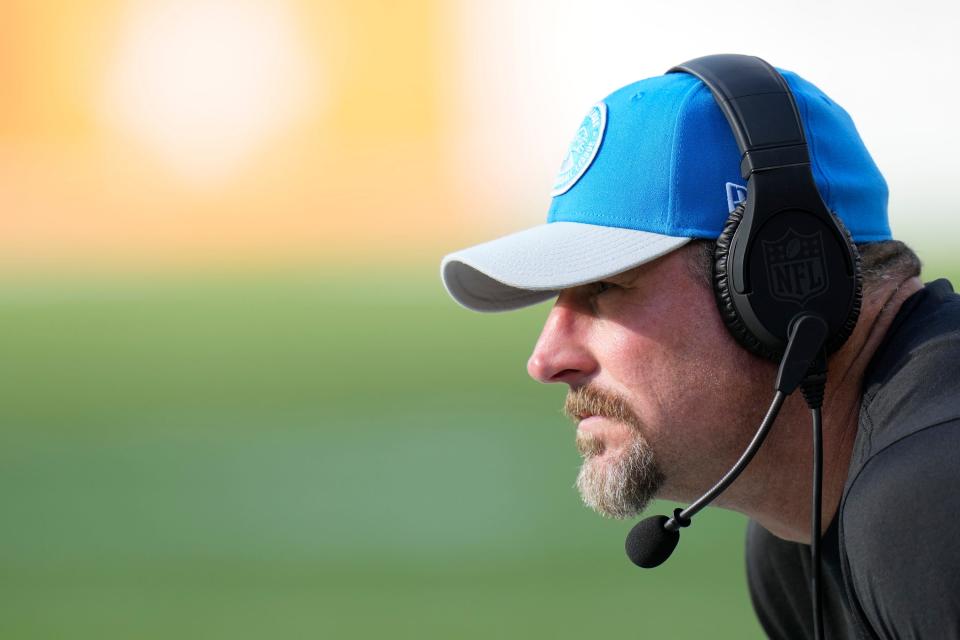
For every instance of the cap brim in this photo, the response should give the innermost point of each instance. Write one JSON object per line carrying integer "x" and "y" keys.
{"x": 533, "y": 265}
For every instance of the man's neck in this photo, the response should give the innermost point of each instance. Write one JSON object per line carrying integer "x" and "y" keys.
{"x": 781, "y": 498}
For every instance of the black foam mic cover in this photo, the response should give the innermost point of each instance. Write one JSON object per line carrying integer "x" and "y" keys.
{"x": 649, "y": 544}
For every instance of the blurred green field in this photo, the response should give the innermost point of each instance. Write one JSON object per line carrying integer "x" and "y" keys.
{"x": 323, "y": 455}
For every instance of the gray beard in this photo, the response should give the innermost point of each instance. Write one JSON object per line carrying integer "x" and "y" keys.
{"x": 621, "y": 487}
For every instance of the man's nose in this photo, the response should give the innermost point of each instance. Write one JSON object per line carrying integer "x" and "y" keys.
{"x": 561, "y": 353}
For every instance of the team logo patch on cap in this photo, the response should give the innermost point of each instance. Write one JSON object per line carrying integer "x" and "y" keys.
{"x": 582, "y": 150}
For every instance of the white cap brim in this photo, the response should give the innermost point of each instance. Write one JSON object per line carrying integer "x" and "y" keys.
{"x": 534, "y": 265}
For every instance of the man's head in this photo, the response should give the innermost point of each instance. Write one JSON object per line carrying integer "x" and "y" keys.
{"x": 660, "y": 389}
{"x": 655, "y": 384}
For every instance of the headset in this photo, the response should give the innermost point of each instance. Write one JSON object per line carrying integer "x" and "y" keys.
{"x": 786, "y": 275}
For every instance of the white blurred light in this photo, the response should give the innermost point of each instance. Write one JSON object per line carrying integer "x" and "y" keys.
{"x": 203, "y": 82}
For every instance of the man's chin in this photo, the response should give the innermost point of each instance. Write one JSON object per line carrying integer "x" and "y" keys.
{"x": 619, "y": 484}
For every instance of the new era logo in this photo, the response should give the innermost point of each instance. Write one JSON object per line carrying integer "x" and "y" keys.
{"x": 735, "y": 195}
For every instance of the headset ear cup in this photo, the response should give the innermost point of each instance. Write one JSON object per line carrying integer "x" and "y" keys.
{"x": 721, "y": 290}
{"x": 836, "y": 341}
{"x": 739, "y": 330}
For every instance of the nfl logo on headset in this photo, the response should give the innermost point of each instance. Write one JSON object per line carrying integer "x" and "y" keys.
{"x": 796, "y": 271}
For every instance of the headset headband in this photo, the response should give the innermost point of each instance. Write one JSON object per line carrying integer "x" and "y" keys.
{"x": 758, "y": 105}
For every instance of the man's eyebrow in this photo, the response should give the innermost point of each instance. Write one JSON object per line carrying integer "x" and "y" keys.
{"x": 624, "y": 276}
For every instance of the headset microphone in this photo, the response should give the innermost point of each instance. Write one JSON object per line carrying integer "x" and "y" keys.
{"x": 651, "y": 541}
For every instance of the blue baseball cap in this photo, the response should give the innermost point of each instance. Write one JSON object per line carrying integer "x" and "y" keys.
{"x": 651, "y": 167}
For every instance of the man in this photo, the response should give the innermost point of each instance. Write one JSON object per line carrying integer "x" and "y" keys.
{"x": 666, "y": 399}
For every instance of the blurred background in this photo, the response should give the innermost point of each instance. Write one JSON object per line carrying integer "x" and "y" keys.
{"x": 236, "y": 401}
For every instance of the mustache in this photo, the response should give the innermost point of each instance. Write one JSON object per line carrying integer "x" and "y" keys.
{"x": 591, "y": 401}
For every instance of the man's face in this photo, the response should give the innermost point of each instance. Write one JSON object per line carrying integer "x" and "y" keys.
{"x": 664, "y": 398}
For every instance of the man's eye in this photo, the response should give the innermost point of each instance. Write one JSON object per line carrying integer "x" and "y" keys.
{"x": 602, "y": 287}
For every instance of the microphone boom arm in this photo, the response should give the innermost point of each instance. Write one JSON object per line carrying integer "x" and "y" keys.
{"x": 677, "y": 521}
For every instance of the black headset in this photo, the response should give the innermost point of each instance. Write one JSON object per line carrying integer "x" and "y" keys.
{"x": 786, "y": 274}
{"x": 781, "y": 252}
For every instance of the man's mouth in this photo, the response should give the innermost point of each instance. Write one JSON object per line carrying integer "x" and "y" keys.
{"x": 593, "y": 424}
